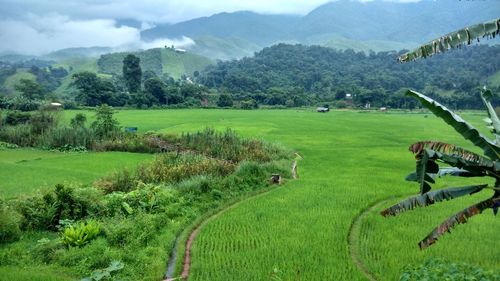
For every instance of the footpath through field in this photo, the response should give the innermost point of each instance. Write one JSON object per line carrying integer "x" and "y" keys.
{"x": 300, "y": 231}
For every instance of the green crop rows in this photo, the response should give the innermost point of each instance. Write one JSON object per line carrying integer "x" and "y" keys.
{"x": 351, "y": 161}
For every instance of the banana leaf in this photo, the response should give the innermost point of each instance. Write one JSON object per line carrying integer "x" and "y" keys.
{"x": 446, "y": 171}
{"x": 459, "y": 218}
{"x": 453, "y": 40}
{"x": 486, "y": 96}
{"x": 430, "y": 198}
{"x": 461, "y": 126}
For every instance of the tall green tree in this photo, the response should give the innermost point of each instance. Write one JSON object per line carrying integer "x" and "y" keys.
{"x": 132, "y": 73}
{"x": 93, "y": 90}
{"x": 30, "y": 89}
{"x": 105, "y": 124}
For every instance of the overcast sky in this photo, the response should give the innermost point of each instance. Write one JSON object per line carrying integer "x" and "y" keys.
{"x": 41, "y": 26}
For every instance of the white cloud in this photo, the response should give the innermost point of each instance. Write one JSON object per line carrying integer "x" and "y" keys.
{"x": 41, "y": 34}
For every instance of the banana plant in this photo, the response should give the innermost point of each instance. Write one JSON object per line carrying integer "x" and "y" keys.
{"x": 460, "y": 162}
{"x": 456, "y": 39}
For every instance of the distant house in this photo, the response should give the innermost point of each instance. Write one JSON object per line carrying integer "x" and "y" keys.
{"x": 322, "y": 109}
{"x": 180, "y": 51}
{"x": 348, "y": 96}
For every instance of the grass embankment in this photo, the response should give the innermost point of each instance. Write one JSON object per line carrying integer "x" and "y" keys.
{"x": 351, "y": 160}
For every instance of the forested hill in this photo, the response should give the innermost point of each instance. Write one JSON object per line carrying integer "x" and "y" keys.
{"x": 320, "y": 74}
{"x": 376, "y": 25}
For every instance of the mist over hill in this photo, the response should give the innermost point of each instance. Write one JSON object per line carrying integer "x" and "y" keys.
{"x": 375, "y": 25}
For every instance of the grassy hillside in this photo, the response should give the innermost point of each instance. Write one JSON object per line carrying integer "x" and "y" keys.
{"x": 340, "y": 42}
{"x": 74, "y": 65}
{"x": 160, "y": 60}
{"x": 224, "y": 48}
{"x": 178, "y": 64}
{"x": 12, "y": 80}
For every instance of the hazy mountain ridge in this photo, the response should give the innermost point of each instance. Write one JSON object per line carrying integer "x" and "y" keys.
{"x": 364, "y": 24}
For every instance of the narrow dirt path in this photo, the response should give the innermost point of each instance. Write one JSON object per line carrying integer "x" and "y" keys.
{"x": 187, "y": 253}
{"x": 353, "y": 235}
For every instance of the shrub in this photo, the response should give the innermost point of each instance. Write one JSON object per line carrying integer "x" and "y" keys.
{"x": 20, "y": 135}
{"x": 78, "y": 121}
{"x": 9, "y": 224}
{"x": 46, "y": 250}
{"x": 80, "y": 234}
{"x": 17, "y": 117}
{"x": 44, "y": 212}
{"x": 123, "y": 181}
{"x": 437, "y": 270}
{"x": 174, "y": 167}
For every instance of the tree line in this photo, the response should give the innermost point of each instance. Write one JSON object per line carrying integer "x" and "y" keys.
{"x": 295, "y": 75}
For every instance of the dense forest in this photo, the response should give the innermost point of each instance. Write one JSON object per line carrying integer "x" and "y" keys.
{"x": 298, "y": 75}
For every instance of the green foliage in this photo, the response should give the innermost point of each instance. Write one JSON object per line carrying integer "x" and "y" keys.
{"x": 464, "y": 163}
{"x": 102, "y": 274}
{"x": 46, "y": 211}
{"x": 17, "y": 117}
{"x": 322, "y": 74}
{"x": 132, "y": 73}
{"x": 105, "y": 125}
{"x": 9, "y": 224}
{"x": 225, "y": 100}
{"x": 80, "y": 234}
{"x": 438, "y": 269}
{"x": 78, "y": 121}
{"x": 94, "y": 91}
{"x": 30, "y": 89}
{"x": 229, "y": 146}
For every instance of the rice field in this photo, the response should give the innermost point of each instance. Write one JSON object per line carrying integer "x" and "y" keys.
{"x": 299, "y": 231}
{"x": 25, "y": 170}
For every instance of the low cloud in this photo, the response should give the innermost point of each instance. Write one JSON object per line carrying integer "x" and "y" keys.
{"x": 37, "y": 35}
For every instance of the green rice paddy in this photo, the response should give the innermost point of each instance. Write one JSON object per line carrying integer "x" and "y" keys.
{"x": 25, "y": 170}
{"x": 352, "y": 160}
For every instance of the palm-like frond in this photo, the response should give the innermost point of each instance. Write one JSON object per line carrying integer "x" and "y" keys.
{"x": 430, "y": 198}
{"x": 461, "y": 126}
{"x": 418, "y": 149}
{"x": 456, "y": 219}
{"x": 454, "y": 39}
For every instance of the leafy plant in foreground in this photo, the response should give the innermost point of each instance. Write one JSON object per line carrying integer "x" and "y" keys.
{"x": 462, "y": 163}
{"x": 80, "y": 234}
{"x": 101, "y": 274}
{"x": 437, "y": 270}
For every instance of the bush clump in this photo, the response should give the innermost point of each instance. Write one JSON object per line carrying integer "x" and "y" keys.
{"x": 9, "y": 224}
{"x": 437, "y": 270}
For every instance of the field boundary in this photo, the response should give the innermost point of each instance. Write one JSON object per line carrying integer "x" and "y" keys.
{"x": 353, "y": 234}
{"x": 198, "y": 225}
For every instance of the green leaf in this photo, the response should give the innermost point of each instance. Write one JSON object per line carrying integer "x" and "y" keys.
{"x": 487, "y": 96}
{"x": 453, "y": 40}
{"x": 430, "y": 198}
{"x": 459, "y": 218}
{"x": 115, "y": 265}
{"x": 461, "y": 126}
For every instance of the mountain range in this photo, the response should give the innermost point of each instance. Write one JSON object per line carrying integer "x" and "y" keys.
{"x": 377, "y": 25}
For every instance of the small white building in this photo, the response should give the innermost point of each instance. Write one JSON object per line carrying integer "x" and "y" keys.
{"x": 180, "y": 51}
